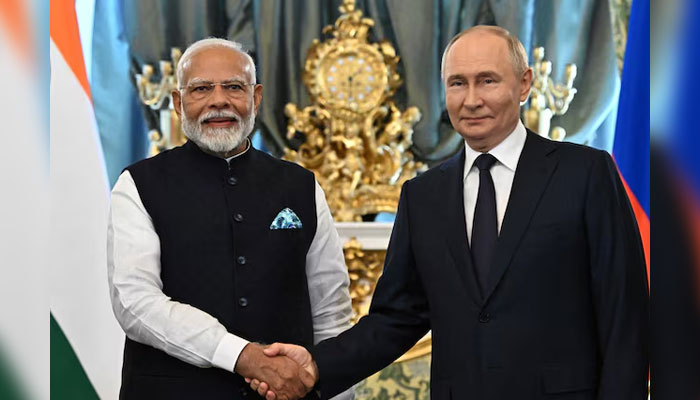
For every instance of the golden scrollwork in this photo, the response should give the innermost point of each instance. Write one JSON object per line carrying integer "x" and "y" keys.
{"x": 355, "y": 139}
{"x": 364, "y": 268}
{"x": 547, "y": 98}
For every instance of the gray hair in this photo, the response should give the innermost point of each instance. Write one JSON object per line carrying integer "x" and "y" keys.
{"x": 209, "y": 43}
{"x": 516, "y": 50}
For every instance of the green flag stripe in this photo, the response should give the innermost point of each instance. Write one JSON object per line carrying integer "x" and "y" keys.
{"x": 9, "y": 385}
{"x": 68, "y": 379}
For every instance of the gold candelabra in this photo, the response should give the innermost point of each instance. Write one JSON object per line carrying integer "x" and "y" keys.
{"x": 548, "y": 98}
{"x": 154, "y": 95}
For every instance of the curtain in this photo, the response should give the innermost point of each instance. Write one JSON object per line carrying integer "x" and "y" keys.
{"x": 279, "y": 33}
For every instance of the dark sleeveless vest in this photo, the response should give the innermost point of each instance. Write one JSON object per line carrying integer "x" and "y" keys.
{"x": 218, "y": 254}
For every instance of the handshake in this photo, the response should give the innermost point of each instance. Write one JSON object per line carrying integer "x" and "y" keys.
{"x": 279, "y": 371}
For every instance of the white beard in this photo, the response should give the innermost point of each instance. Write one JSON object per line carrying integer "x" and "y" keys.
{"x": 217, "y": 140}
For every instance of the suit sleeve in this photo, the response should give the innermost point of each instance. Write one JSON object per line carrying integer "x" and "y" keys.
{"x": 397, "y": 319}
{"x": 619, "y": 284}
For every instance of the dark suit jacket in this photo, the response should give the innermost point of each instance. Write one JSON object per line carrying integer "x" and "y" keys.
{"x": 565, "y": 312}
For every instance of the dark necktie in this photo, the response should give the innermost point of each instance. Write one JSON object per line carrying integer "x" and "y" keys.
{"x": 485, "y": 225}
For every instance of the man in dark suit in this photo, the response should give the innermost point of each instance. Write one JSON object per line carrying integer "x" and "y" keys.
{"x": 520, "y": 253}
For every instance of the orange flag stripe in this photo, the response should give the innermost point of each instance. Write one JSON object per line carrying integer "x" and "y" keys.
{"x": 14, "y": 21}
{"x": 66, "y": 36}
{"x": 642, "y": 222}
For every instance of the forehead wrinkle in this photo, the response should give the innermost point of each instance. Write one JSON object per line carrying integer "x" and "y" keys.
{"x": 197, "y": 79}
{"x": 235, "y": 78}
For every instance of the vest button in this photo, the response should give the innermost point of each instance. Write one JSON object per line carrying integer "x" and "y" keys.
{"x": 484, "y": 317}
{"x": 232, "y": 180}
{"x": 243, "y": 302}
{"x": 241, "y": 260}
{"x": 238, "y": 217}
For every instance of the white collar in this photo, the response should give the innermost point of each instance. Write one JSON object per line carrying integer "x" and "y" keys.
{"x": 247, "y": 147}
{"x": 507, "y": 152}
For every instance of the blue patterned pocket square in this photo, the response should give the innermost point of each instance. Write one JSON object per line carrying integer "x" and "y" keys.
{"x": 286, "y": 219}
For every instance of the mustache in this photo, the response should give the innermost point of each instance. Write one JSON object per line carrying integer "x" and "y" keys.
{"x": 219, "y": 114}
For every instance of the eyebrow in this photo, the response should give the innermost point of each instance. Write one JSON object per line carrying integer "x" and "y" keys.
{"x": 488, "y": 73}
{"x": 455, "y": 77}
{"x": 481, "y": 74}
{"x": 202, "y": 80}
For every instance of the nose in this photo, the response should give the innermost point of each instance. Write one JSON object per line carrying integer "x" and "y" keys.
{"x": 472, "y": 99}
{"x": 218, "y": 98}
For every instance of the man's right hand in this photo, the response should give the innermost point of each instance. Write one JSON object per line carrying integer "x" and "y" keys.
{"x": 284, "y": 377}
{"x": 297, "y": 353}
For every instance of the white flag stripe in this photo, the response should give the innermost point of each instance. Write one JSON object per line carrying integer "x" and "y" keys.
{"x": 79, "y": 206}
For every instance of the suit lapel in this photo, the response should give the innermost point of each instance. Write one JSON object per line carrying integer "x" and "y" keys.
{"x": 532, "y": 175}
{"x": 452, "y": 215}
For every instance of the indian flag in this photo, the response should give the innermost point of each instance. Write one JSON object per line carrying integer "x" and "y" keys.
{"x": 86, "y": 341}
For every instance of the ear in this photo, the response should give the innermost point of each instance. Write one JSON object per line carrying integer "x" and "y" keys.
{"x": 177, "y": 102}
{"x": 525, "y": 84}
{"x": 257, "y": 96}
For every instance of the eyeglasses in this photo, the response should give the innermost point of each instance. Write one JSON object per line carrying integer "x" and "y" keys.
{"x": 232, "y": 89}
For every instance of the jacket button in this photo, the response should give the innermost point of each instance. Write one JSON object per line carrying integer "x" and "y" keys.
{"x": 484, "y": 317}
{"x": 238, "y": 217}
{"x": 241, "y": 260}
{"x": 232, "y": 180}
{"x": 243, "y": 302}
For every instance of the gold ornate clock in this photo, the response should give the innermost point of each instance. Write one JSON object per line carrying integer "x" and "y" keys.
{"x": 347, "y": 72}
{"x": 353, "y": 79}
{"x": 356, "y": 140}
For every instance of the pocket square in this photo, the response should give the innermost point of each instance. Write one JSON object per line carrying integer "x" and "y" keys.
{"x": 286, "y": 219}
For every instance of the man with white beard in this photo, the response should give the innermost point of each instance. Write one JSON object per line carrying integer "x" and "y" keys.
{"x": 215, "y": 247}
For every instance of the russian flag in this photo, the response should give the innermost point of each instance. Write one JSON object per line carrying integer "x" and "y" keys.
{"x": 631, "y": 145}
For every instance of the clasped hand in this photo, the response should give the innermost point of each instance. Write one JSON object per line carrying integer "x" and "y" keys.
{"x": 279, "y": 371}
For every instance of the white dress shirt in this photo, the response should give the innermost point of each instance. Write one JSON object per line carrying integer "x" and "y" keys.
{"x": 507, "y": 153}
{"x": 148, "y": 316}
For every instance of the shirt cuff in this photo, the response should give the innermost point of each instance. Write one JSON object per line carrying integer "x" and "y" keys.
{"x": 227, "y": 352}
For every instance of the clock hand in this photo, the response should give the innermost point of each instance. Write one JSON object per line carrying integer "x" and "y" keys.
{"x": 357, "y": 72}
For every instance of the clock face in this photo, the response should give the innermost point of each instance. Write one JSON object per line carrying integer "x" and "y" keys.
{"x": 355, "y": 79}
